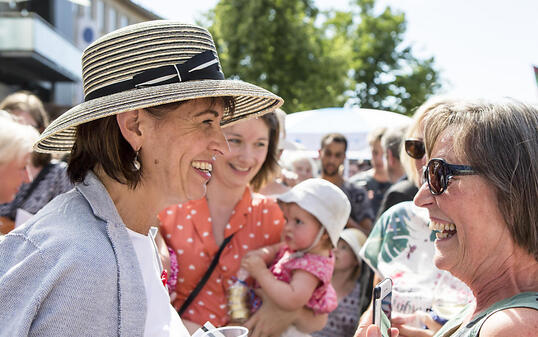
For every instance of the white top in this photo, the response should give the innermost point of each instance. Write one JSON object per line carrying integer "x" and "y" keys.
{"x": 161, "y": 319}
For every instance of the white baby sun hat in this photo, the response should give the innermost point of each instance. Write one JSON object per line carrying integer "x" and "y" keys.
{"x": 355, "y": 239}
{"x": 325, "y": 201}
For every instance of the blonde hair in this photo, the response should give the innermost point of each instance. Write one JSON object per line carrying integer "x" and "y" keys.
{"x": 418, "y": 117}
{"x": 16, "y": 139}
{"x": 26, "y": 101}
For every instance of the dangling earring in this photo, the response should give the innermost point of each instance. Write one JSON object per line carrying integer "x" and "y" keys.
{"x": 136, "y": 163}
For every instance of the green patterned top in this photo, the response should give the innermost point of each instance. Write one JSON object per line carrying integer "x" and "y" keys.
{"x": 400, "y": 247}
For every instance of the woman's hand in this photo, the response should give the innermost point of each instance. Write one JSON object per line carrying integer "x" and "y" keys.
{"x": 191, "y": 326}
{"x": 406, "y": 324}
{"x": 367, "y": 329}
{"x": 373, "y": 331}
{"x": 270, "y": 320}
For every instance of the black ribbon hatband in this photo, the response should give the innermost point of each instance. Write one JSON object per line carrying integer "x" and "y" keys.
{"x": 203, "y": 66}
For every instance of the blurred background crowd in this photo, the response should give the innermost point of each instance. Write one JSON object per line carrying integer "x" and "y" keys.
{"x": 356, "y": 103}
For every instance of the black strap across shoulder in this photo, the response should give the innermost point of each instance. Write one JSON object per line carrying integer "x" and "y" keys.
{"x": 206, "y": 276}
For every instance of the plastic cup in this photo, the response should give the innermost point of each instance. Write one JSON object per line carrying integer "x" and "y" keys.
{"x": 227, "y": 331}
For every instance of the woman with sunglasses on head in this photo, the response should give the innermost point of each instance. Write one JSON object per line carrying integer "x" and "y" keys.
{"x": 145, "y": 137}
{"x": 480, "y": 192}
{"x": 400, "y": 245}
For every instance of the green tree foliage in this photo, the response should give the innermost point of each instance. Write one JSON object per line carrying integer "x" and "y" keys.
{"x": 315, "y": 60}
{"x": 277, "y": 45}
{"x": 387, "y": 76}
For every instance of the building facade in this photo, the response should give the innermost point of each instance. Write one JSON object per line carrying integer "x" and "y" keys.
{"x": 41, "y": 43}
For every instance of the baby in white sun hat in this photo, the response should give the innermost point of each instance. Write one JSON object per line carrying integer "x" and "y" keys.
{"x": 301, "y": 266}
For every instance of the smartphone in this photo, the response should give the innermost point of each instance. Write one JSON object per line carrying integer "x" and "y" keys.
{"x": 382, "y": 304}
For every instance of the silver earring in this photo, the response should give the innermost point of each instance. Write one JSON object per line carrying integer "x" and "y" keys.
{"x": 214, "y": 158}
{"x": 136, "y": 163}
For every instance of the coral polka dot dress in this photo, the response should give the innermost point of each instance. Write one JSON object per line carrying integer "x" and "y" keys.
{"x": 255, "y": 222}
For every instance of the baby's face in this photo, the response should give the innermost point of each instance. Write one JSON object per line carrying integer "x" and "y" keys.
{"x": 303, "y": 169}
{"x": 301, "y": 227}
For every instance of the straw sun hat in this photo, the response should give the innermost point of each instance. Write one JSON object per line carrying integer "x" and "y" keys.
{"x": 355, "y": 239}
{"x": 149, "y": 64}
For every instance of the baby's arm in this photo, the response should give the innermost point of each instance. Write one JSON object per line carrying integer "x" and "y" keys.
{"x": 267, "y": 253}
{"x": 288, "y": 296}
{"x": 258, "y": 259}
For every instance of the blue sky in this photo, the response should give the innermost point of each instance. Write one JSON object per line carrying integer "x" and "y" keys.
{"x": 483, "y": 48}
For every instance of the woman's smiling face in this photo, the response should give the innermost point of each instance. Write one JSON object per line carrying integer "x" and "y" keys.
{"x": 468, "y": 215}
{"x": 177, "y": 156}
{"x": 248, "y": 142}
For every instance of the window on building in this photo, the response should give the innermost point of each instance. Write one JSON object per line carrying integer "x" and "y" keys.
{"x": 88, "y": 10}
{"x": 124, "y": 21}
{"x": 100, "y": 15}
{"x": 111, "y": 19}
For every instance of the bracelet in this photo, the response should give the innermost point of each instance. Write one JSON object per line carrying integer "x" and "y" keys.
{"x": 174, "y": 269}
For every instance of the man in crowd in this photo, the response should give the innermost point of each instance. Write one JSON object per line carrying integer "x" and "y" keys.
{"x": 402, "y": 189}
{"x": 332, "y": 155}
{"x": 375, "y": 180}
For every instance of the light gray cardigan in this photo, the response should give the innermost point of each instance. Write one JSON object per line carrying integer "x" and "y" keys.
{"x": 72, "y": 270}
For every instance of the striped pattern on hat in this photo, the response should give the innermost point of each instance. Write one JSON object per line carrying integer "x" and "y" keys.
{"x": 145, "y": 65}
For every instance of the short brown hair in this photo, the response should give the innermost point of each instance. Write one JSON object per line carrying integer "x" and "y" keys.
{"x": 499, "y": 140}
{"x": 101, "y": 142}
{"x": 392, "y": 140}
{"x": 334, "y": 137}
{"x": 270, "y": 165}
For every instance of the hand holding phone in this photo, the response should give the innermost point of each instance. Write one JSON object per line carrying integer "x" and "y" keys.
{"x": 382, "y": 305}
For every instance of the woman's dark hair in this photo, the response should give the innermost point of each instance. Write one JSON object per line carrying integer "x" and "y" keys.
{"x": 101, "y": 142}
{"x": 270, "y": 165}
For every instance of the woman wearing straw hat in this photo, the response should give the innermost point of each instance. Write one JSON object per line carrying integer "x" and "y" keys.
{"x": 145, "y": 137}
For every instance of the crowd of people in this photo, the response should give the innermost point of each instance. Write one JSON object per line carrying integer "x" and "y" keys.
{"x": 139, "y": 211}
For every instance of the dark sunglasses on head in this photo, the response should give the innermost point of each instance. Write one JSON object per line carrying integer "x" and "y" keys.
{"x": 438, "y": 174}
{"x": 415, "y": 148}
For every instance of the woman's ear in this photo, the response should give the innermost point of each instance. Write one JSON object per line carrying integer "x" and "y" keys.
{"x": 130, "y": 128}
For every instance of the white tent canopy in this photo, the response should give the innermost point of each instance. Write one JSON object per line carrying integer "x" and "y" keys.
{"x": 308, "y": 127}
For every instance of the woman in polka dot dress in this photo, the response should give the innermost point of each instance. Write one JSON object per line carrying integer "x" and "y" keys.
{"x": 194, "y": 231}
